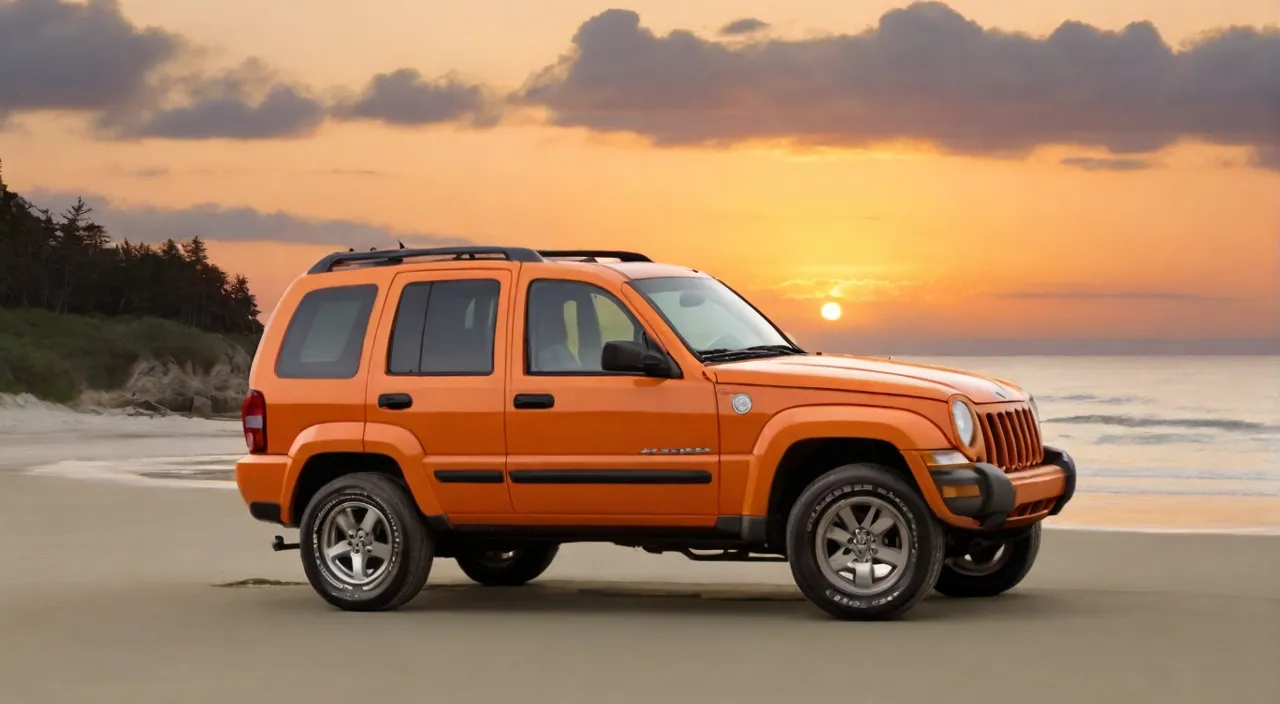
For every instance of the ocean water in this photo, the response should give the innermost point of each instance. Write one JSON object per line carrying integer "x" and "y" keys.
{"x": 1168, "y": 442}
{"x": 1206, "y": 426}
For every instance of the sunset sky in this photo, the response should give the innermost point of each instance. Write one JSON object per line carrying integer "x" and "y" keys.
{"x": 976, "y": 176}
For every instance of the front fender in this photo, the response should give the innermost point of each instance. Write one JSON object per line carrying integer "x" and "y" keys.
{"x": 904, "y": 429}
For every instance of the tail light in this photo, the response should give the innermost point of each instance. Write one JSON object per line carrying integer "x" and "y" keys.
{"x": 253, "y": 417}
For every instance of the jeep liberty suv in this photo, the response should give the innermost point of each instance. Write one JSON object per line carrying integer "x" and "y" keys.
{"x": 488, "y": 404}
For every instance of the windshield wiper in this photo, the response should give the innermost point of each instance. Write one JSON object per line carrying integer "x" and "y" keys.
{"x": 753, "y": 352}
{"x": 785, "y": 349}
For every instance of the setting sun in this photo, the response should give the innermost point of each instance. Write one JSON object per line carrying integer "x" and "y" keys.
{"x": 831, "y": 310}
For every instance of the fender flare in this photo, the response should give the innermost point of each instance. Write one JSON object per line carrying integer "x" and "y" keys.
{"x": 360, "y": 438}
{"x": 317, "y": 440}
{"x": 403, "y": 447}
{"x": 905, "y": 430}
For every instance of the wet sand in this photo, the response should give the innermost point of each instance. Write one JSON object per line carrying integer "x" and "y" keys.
{"x": 109, "y": 593}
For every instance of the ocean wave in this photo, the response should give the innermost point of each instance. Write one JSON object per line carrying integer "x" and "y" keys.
{"x": 1155, "y": 439}
{"x": 1092, "y": 398}
{"x": 1227, "y": 424}
{"x": 1180, "y": 473}
{"x": 1170, "y": 491}
{"x": 216, "y": 472}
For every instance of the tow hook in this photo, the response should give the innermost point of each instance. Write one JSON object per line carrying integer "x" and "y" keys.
{"x": 278, "y": 544}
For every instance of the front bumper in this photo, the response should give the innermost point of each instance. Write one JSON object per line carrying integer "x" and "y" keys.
{"x": 994, "y": 498}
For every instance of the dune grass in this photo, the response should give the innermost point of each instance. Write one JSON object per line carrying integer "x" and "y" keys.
{"x": 55, "y": 357}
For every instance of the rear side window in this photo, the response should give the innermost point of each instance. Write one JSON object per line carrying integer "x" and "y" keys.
{"x": 326, "y": 335}
{"x": 445, "y": 328}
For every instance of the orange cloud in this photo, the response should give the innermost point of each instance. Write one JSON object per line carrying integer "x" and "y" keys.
{"x": 859, "y": 290}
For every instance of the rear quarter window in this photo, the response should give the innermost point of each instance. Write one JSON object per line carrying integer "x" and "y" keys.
{"x": 326, "y": 334}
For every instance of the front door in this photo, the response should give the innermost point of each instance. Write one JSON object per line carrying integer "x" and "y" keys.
{"x": 589, "y": 447}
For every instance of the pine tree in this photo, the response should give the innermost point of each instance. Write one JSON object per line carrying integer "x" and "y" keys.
{"x": 69, "y": 264}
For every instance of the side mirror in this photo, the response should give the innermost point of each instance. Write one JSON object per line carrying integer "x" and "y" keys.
{"x": 633, "y": 357}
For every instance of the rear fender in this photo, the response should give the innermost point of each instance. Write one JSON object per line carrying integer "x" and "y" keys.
{"x": 403, "y": 447}
{"x": 317, "y": 440}
{"x": 373, "y": 438}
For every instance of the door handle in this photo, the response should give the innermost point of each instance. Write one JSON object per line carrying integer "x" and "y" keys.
{"x": 534, "y": 401}
{"x": 395, "y": 402}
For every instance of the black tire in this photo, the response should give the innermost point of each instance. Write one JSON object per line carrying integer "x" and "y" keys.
{"x": 523, "y": 566}
{"x": 404, "y": 530}
{"x": 872, "y": 484}
{"x": 995, "y": 571}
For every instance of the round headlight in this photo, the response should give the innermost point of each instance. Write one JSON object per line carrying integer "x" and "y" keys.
{"x": 964, "y": 422}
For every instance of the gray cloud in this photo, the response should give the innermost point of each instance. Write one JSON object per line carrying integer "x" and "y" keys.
{"x": 247, "y": 102}
{"x": 67, "y": 56}
{"x": 746, "y": 25}
{"x": 215, "y": 222}
{"x": 404, "y": 97}
{"x": 1266, "y": 157}
{"x": 137, "y": 83}
{"x": 1090, "y": 163}
{"x": 923, "y": 72}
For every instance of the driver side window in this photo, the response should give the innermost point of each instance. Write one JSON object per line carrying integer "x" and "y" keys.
{"x": 567, "y": 324}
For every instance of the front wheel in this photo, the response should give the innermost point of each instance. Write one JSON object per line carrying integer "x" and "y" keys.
{"x": 863, "y": 544}
{"x": 992, "y": 569}
{"x": 507, "y": 568}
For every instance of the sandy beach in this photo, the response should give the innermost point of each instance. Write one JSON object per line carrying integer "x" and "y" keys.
{"x": 132, "y": 572}
{"x": 118, "y": 593}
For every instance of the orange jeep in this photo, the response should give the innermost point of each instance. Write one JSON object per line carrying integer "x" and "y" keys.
{"x": 490, "y": 403}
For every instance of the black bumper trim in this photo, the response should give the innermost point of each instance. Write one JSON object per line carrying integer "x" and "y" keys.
{"x": 755, "y": 530}
{"x": 266, "y": 512}
{"x": 609, "y": 476}
{"x": 1053, "y": 455}
{"x": 998, "y": 497}
{"x": 470, "y": 476}
{"x": 996, "y": 501}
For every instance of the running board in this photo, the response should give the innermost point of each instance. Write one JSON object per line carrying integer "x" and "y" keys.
{"x": 278, "y": 544}
{"x": 722, "y": 556}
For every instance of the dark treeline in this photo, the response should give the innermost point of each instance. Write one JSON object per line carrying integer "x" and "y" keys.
{"x": 68, "y": 264}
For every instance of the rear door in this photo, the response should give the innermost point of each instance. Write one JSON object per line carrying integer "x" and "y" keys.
{"x": 438, "y": 371}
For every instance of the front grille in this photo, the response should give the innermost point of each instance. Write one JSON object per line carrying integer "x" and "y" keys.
{"x": 1012, "y": 439}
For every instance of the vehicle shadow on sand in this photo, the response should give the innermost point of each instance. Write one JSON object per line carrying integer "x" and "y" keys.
{"x": 643, "y": 599}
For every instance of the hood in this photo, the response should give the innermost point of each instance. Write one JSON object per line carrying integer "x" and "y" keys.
{"x": 865, "y": 374}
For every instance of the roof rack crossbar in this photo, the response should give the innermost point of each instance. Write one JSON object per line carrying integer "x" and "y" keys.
{"x": 593, "y": 254}
{"x": 397, "y": 256}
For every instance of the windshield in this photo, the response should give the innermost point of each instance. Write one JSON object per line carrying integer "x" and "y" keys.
{"x": 714, "y": 322}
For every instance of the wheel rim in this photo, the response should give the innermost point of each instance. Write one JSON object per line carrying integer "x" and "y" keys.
{"x": 355, "y": 541}
{"x": 863, "y": 545}
{"x": 980, "y": 564}
{"x": 496, "y": 559}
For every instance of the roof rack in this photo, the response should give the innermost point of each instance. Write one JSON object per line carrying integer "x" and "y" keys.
{"x": 385, "y": 257}
{"x": 593, "y": 254}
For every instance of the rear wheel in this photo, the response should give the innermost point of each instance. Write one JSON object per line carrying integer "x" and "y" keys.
{"x": 991, "y": 569}
{"x": 364, "y": 545}
{"x": 507, "y": 568}
{"x": 863, "y": 544}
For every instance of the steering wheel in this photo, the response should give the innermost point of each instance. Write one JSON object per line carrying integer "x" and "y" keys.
{"x": 728, "y": 342}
